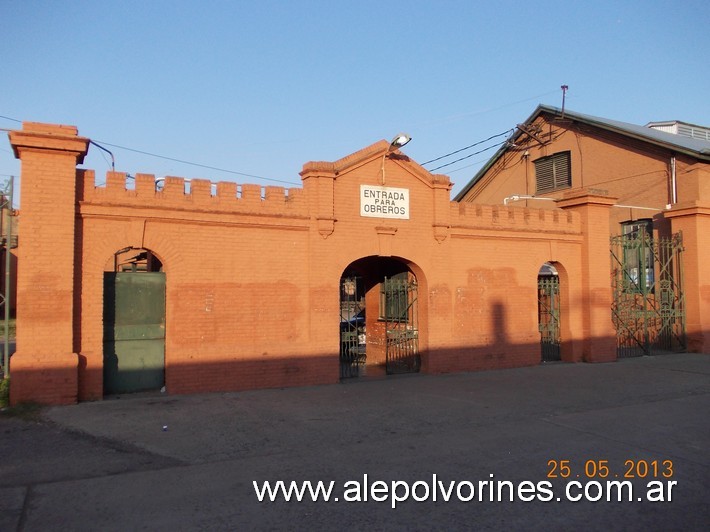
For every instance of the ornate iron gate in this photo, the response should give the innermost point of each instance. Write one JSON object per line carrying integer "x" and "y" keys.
{"x": 548, "y": 306}
{"x": 648, "y": 310}
{"x": 398, "y": 306}
{"x": 353, "y": 347}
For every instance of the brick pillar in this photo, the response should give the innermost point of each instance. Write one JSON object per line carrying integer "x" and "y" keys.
{"x": 442, "y": 206}
{"x": 693, "y": 220}
{"x": 45, "y": 368}
{"x": 598, "y": 337}
{"x": 319, "y": 184}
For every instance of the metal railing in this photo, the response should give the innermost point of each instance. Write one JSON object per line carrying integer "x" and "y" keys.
{"x": 648, "y": 309}
{"x": 9, "y": 241}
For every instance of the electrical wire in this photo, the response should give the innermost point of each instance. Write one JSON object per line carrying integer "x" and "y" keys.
{"x": 181, "y": 161}
{"x": 469, "y": 156}
{"x": 113, "y": 160}
{"x": 196, "y": 164}
{"x": 470, "y": 146}
{"x": 480, "y": 161}
{"x": 489, "y": 110}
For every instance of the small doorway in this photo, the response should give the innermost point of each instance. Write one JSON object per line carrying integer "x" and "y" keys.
{"x": 134, "y": 323}
{"x": 548, "y": 312}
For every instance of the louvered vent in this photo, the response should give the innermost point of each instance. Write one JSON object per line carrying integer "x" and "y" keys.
{"x": 553, "y": 172}
{"x": 694, "y": 131}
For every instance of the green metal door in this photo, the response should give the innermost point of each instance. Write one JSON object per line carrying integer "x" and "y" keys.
{"x": 134, "y": 332}
{"x": 398, "y": 304}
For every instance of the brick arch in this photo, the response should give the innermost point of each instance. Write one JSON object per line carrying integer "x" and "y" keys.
{"x": 566, "y": 337}
{"x": 89, "y": 301}
{"x": 374, "y": 267}
{"x": 166, "y": 250}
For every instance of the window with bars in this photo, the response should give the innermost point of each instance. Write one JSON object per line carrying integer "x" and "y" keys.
{"x": 638, "y": 255}
{"x": 553, "y": 172}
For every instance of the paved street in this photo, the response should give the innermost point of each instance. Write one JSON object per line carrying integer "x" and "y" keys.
{"x": 161, "y": 462}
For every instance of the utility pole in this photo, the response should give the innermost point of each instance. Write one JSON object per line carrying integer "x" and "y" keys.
{"x": 564, "y": 93}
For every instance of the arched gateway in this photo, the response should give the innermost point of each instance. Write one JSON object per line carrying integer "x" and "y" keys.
{"x": 379, "y": 318}
{"x": 548, "y": 304}
{"x": 134, "y": 323}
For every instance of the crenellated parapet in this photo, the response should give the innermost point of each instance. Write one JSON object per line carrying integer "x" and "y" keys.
{"x": 145, "y": 190}
{"x": 471, "y": 216}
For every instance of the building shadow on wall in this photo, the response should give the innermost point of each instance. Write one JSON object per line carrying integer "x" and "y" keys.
{"x": 268, "y": 371}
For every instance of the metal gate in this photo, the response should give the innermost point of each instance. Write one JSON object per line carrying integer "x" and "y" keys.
{"x": 134, "y": 332}
{"x": 353, "y": 346}
{"x": 648, "y": 310}
{"x": 548, "y": 306}
{"x": 398, "y": 304}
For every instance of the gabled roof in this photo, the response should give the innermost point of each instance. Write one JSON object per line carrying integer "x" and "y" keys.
{"x": 697, "y": 148}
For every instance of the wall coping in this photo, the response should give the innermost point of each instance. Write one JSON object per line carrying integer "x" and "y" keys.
{"x": 40, "y": 136}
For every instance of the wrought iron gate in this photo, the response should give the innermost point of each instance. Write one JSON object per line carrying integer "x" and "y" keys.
{"x": 398, "y": 304}
{"x": 648, "y": 310}
{"x": 353, "y": 346}
{"x": 548, "y": 306}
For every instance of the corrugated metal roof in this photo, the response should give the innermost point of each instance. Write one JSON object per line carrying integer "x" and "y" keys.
{"x": 697, "y": 147}
{"x": 691, "y": 146}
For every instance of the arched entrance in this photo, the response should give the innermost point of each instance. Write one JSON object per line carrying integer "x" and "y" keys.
{"x": 379, "y": 318}
{"x": 134, "y": 322}
{"x": 548, "y": 312}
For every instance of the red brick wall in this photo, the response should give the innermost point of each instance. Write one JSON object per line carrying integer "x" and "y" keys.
{"x": 252, "y": 273}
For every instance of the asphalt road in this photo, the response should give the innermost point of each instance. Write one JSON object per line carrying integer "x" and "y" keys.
{"x": 161, "y": 462}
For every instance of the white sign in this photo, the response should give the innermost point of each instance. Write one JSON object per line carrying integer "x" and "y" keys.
{"x": 384, "y": 202}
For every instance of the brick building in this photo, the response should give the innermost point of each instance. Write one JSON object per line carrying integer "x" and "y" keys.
{"x": 367, "y": 268}
{"x": 659, "y": 175}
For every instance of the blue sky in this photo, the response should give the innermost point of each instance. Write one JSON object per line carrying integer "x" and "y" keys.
{"x": 262, "y": 87}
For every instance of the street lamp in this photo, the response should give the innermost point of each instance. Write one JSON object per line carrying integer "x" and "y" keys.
{"x": 400, "y": 140}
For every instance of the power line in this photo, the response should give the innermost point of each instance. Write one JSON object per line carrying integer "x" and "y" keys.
{"x": 469, "y": 147}
{"x": 470, "y": 155}
{"x": 177, "y": 160}
{"x": 485, "y": 111}
{"x": 113, "y": 160}
{"x": 196, "y": 164}
{"x": 466, "y": 166}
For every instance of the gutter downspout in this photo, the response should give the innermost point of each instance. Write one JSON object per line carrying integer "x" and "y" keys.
{"x": 674, "y": 184}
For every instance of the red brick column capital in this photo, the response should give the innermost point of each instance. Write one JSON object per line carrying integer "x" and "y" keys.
{"x": 36, "y": 136}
